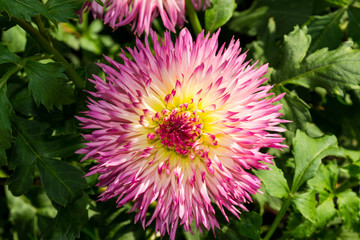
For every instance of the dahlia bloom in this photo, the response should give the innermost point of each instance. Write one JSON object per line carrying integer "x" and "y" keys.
{"x": 141, "y": 13}
{"x": 180, "y": 127}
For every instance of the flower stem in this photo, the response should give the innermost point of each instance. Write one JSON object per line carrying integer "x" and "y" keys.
{"x": 56, "y": 56}
{"x": 194, "y": 20}
{"x": 278, "y": 218}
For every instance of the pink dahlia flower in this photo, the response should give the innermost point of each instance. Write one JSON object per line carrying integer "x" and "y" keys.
{"x": 141, "y": 13}
{"x": 181, "y": 127}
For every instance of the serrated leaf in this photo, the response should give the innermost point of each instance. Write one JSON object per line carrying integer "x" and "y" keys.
{"x": 325, "y": 30}
{"x": 62, "y": 10}
{"x": 23, "y": 9}
{"x": 61, "y": 181}
{"x": 308, "y": 153}
{"x": 219, "y": 13}
{"x": 295, "y": 47}
{"x": 23, "y": 163}
{"x": 48, "y": 84}
{"x": 275, "y": 182}
{"x": 5, "y": 124}
{"x": 354, "y": 22}
{"x": 349, "y": 206}
{"x": 335, "y": 70}
{"x": 7, "y": 56}
{"x": 306, "y": 204}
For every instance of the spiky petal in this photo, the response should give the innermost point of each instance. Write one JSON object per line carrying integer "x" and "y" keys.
{"x": 181, "y": 127}
{"x": 141, "y": 13}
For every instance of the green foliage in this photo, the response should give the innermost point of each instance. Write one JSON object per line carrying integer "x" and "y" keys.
{"x": 48, "y": 84}
{"x": 62, "y": 10}
{"x": 310, "y": 192}
{"x": 274, "y": 181}
{"x": 5, "y": 124}
{"x": 219, "y": 13}
{"x": 308, "y": 153}
{"x": 7, "y": 56}
{"x": 23, "y": 9}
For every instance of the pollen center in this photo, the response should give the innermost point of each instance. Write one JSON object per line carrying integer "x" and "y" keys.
{"x": 177, "y": 129}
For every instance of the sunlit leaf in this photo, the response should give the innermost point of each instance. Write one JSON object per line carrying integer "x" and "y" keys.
{"x": 349, "y": 207}
{"x": 219, "y": 13}
{"x": 308, "y": 153}
{"x": 275, "y": 182}
{"x": 306, "y": 204}
{"x": 335, "y": 70}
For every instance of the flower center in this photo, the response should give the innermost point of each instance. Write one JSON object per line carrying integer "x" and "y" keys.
{"x": 177, "y": 129}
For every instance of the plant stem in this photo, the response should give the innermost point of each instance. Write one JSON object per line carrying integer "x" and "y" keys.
{"x": 56, "y": 56}
{"x": 8, "y": 74}
{"x": 278, "y": 218}
{"x": 194, "y": 20}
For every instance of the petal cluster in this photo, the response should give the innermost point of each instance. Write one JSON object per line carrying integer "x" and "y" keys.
{"x": 141, "y": 13}
{"x": 180, "y": 124}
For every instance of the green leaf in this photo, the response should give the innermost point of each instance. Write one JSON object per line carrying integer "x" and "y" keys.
{"x": 69, "y": 220}
{"x": 14, "y": 39}
{"x": 48, "y": 84}
{"x": 6, "y": 56}
{"x": 220, "y": 12}
{"x": 62, "y": 10}
{"x": 3, "y": 159}
{"x": 61, "y": 181}
{"x": 265, "y": 49}
{"x": 325, "y": 30}
{"x": 306, "y": 204}
{"x": 308, "y": 153}
{"x": 23, "y": 163}
{"x": 295, "y": 110}
{"x": 349, "y": 206}
{"x": 299, "y": 227}
{"x": 335, "y": 70}
{"x": 249, "y": 225}
{"x": 64, "y": 146}
{"x": 325, "y": 180}
{"x": 275, "y": 182}
{"x": 5, "y": 124}
{"x": 325, "y": 212}
{"x": 286, "y": 14}
{"x": 354, "y": 23}
{"x": 23, "y": 9}
{"x": 21, "y": 214}
{"x": 295, "y": 47}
